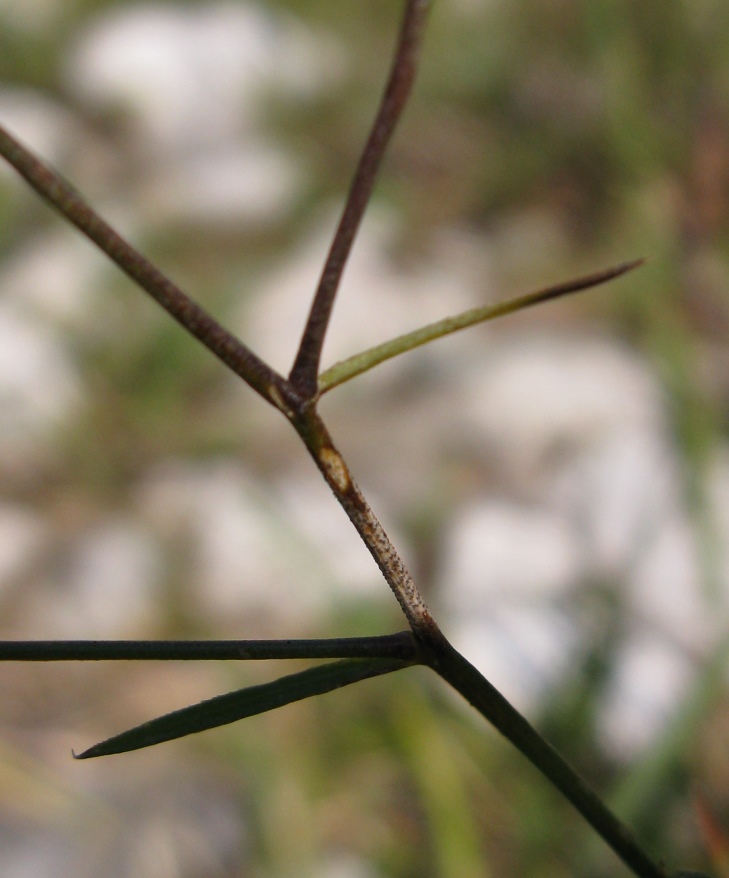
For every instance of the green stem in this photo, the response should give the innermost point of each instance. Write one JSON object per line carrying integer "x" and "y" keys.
{"x": 452, "y": 667}
{"x": 396, "y": 646}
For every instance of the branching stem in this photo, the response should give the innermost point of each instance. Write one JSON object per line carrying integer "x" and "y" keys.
{"x": 438, "y": 653}
{"x": 296, "y": 398}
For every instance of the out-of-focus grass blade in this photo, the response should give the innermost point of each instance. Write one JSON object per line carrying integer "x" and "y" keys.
{"x": 362, "y": 362}
{"x": 245, "y": 702}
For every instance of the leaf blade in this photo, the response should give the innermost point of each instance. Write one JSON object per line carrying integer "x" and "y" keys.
{"x": 366, "y": 360}
{"x": 232, "y": 706}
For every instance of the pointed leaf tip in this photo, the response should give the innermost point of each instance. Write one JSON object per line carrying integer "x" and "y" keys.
{"x": 347, "y": 369}
{"x": 243, "y": 703}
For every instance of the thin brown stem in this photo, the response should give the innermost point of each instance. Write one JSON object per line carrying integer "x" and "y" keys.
{"x": 59, "y": 193}
{"x": 331, "y": 464}
{"x": 305, "y": 370}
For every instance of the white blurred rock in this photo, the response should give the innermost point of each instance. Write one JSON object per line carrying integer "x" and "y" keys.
{"x": 538, "y": 397}
{"x": 578, "y": 426}
{"x": 101, "y": 586}
{"x": 377, "y": 300}
{"x": 248, "y": 556}
{"x": 187, "y": 75}
{"x": 40, "y": 123}
{"x": 617, "y": 491}
{"x": 194, "y": 81}
{"x": 22, "y": 534}
{"x": 650, "y": 680}
{"x": 55, "y": 277}
{"x": 667, "y": 592}
{"x": 504, "y": 551}
{"x": 504, "y": 567}
{"x": 39, "y": 387}
{"x": 255, "y": 183}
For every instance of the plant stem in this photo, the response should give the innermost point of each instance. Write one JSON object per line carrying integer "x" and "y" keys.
{"x": 452, "y": 667}
{"x": 397, "y": 646}
{"x": 402, "y": 74}
{"x": 61, "y": 195}
{"x": 296, "y": 398}
{"x": 331, "y": 464}
{"x": 438, "y": 653}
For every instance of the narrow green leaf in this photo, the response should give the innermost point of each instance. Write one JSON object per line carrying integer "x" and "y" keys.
{"x": 228, "y": 708}
{"x": 362, "y": 362}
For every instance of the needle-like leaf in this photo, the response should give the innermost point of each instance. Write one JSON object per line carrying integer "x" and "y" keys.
{"x": 237, "y": 705}
{"x": 362, "y": 362}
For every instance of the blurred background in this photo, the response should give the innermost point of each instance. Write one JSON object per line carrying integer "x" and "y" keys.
{"x": 558, "y": 482}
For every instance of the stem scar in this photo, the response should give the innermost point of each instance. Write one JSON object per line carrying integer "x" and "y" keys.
{"x": 335, "y": 468}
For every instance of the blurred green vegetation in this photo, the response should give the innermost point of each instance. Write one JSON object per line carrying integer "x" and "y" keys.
{"x": 570, "y": 136}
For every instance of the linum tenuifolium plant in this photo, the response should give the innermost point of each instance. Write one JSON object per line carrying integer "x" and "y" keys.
{"x": 296, "y": 397}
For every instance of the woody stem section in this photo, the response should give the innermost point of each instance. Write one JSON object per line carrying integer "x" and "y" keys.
{"x": 336, "y": 473}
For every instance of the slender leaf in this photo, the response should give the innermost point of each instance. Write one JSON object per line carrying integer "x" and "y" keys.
{"x": 228, "y": 708}
{"x": 362, "y": 362}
